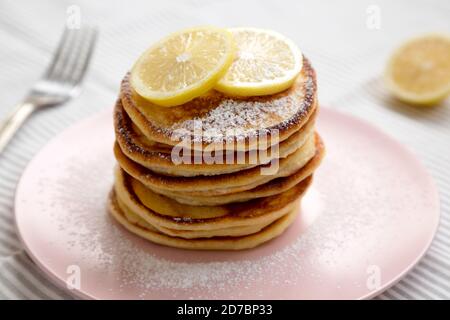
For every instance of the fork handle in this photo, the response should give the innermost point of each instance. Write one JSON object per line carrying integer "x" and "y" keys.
{"x": 13, "y": 121}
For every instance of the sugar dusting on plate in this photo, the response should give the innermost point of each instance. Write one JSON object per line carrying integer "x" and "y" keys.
{"x": 108, "y": 248}
{"x": 112, "y": 250}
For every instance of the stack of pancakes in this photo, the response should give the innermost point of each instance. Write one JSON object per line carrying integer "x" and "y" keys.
{"x": 247, "y": 162}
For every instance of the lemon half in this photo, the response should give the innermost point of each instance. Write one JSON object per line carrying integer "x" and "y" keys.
{"x": 183, "y": 65}
{"x": 266, "y": 63}
{"x": 419, "y": 71}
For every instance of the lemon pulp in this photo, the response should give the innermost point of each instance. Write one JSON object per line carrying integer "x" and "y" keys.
{"x": 419, "y": 71}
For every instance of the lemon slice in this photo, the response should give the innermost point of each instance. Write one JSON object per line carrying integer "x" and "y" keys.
{"x": 419, "y": 71}
{"x": 184, "y": 65}
{"x": 266, "y": 62}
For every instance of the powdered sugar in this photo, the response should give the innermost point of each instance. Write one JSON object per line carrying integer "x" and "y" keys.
{"x": 241, "y": 118}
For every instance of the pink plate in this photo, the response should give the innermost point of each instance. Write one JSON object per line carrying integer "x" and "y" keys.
{"x": 368, "y": 218}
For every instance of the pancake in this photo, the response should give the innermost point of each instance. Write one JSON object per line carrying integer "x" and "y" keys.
{"x": 226, "y": 232}
{"x": 253, "y": 212}
{"x": 157, "y": 156}
{"x": 220, "y": 184}
{"x": 231, "y": 123}
{"x": 192, "y": 234}
{"x": 169, "y": 207}
{"x": 270, "y": 188}
{"x": 217, "y": 243}
{"x": 244, "y": 164}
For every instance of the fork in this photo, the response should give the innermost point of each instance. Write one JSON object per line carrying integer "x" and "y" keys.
{"x": 59, "y": 83}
